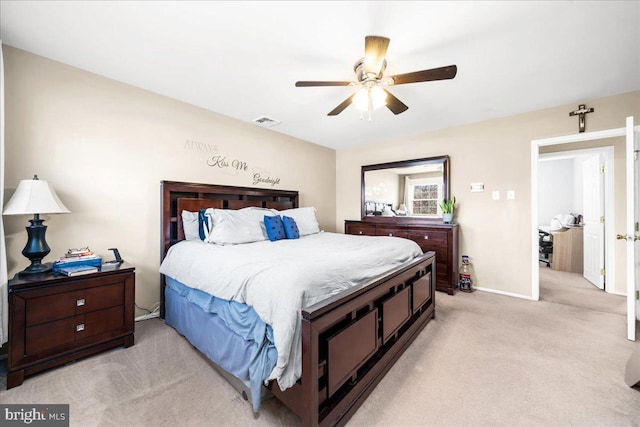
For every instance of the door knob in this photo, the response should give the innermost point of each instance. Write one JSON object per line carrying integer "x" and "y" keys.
{"x": 621, "y": 237}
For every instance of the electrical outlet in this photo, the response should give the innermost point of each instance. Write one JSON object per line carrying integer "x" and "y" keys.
{"x": 511, "y": 195}
{"x": 495, "y": 195}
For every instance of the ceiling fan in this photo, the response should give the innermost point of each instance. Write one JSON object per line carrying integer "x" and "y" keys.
{"x": 371, "y": 81}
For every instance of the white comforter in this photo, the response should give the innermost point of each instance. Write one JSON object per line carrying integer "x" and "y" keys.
{"x": 279, "y": 278}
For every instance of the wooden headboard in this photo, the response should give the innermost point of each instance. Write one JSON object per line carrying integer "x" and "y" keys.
{"x": 179, "y": 196}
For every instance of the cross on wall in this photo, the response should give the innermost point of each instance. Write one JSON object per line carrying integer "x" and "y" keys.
{"x": 582, "y": 112}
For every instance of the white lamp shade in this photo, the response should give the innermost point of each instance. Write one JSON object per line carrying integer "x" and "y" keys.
{"x": 34, "y": 196}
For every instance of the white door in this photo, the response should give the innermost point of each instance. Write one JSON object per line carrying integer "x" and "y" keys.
{"x": 593, "y": 207}
{"x": 633, "y": 265}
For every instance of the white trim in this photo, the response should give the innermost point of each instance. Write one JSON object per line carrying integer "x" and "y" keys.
{"x": 629, "y": 229}
{"x": 509, "y": 294}
{"x": 622, "y": 294}
{"x": 148, "y": 316}
{"x": 580, "y": 137}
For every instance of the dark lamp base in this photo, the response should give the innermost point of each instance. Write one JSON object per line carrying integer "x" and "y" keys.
{"x": 36, "y": 269}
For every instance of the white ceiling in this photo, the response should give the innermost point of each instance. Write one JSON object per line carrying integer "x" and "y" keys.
{"x": 241, "y": 59}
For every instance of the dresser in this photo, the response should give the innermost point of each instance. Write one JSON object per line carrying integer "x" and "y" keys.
{"x": 55, "y": 319}
{"x": 440, "y": 238}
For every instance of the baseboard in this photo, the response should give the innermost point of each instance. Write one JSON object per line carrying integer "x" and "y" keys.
{"x": 622, "y": 294}
{"x": 509, "y": 294}
{"x": 148, "y": 316}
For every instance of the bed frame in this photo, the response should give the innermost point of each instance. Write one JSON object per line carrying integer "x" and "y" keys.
{"x": 349, "y": 341}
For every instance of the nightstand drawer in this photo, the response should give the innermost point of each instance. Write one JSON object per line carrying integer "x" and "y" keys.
{"x": 52, "y": 307}
{"x": 62, "y": 305}
{"x": 46, "y": 336}
{"x": 102, "y": 297}
{"x": 53, "y": 334}
{"x": 102, "y": 321}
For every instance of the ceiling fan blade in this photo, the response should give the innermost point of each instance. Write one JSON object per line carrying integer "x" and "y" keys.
{"x": 375, "y": 49}
{"x": 340, "y": 108}
{"x": 394, "y": 104}
{"x": 312, "y": 83}
{"x": 442, "y": 73}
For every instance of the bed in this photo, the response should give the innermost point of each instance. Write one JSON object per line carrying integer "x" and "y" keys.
{"x": 346, "y": 341}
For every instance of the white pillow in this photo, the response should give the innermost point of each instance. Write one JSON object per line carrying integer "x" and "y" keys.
{"x": 191, "y": 226}
{"x": 230, "y": 227}
{"x": 305, "y": 219}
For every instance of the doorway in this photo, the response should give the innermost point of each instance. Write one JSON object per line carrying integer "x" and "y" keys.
{"x": 626, "y": 253}
{"x": 576, "y": 206}
{"x": 578, "y": 185}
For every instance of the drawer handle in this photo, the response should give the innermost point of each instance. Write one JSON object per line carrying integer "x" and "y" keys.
{"x": 361, "y": 232}
{"x": 80, "y": 302}
{"x": 426, "y": 237}
{"x": 390, "y": 234}
{"x": 80, "y": 327}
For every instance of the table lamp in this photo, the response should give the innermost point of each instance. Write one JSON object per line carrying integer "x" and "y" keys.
{"x": 36, "y": 197}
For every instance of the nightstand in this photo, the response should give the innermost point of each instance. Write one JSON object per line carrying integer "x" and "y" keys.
{"x": 54, "y": 319}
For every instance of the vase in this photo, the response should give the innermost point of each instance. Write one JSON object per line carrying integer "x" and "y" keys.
{"x": 447, "y": 218}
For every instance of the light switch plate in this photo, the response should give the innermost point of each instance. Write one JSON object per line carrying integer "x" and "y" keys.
{"x": 477, "y": 187}
{"x": 511, "y": 195}
{"x": 495, "y": 195}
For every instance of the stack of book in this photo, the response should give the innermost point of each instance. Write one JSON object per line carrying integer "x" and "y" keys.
{"x": 77, "y": 258}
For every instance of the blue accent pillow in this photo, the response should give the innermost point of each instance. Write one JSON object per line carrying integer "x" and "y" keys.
{"x": 275, "y": 228}
{"x": 203, "y": 224}
{"x": 290, "y": 227}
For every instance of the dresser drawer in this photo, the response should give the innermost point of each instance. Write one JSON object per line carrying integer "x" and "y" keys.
{"x": 439, "y": 248}
{"x": 361, "y": 229}
{"x": 66, "y": 304}
{"x": 391, "y": 231}
{"x": 433, "y": 237}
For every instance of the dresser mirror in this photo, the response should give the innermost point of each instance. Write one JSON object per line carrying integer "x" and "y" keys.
{"x": 411, "y": 189}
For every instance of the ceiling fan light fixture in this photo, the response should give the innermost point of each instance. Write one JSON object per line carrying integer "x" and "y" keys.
{"x": 371, "y": 97}
{"x": 378, "y": 97}
{"x": 361, "y": 99}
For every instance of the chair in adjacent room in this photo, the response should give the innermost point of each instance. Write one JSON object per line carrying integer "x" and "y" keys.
{"x": 545, "y": 247}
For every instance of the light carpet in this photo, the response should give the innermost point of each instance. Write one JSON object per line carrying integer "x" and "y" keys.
{"x": 485, "y": 360}
{"x": 573, "y": 289}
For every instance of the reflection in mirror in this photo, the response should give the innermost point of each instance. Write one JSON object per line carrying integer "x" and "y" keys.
{"x": 412, "y": 188}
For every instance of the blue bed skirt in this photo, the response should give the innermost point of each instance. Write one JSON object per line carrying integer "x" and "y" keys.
{"x": 230, "y": 334}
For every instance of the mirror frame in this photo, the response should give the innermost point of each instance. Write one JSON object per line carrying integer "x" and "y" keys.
{"x": 446, "y": 170}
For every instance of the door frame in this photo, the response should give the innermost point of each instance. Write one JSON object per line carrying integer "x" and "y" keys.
{"x": 609, "y": 238}
{"x": 535, "y": 146}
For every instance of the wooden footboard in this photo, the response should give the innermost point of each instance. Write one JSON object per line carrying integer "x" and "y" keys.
{"x": 350, "y": 341}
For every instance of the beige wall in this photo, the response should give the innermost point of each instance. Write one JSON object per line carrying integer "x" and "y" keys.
{"x": 495, "y": 234}
{"x": 105, "y": 146}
